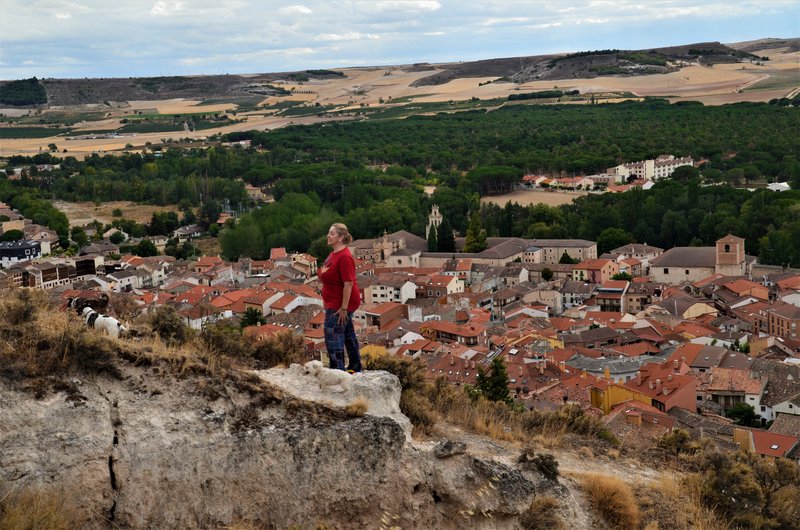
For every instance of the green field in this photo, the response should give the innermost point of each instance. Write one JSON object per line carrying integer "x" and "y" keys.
{"x": 31, "y": 132}
{"x": 307, "y": 111}
{"x": 776, "y": 80}
{"x": 150, "y": 127}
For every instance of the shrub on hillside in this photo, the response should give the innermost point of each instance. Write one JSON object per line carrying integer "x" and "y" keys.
{"x": 282, "y": 349}
{"x": 613, "y": 500}
{"x": 168, "y": 324}
{"x": 39, "y": 341}
{"x": 542, "y": 513}
{"x": 30, "y": 507}
{"x": 223, "y": 338}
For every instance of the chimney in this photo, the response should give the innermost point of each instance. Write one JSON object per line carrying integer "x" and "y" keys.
{"x": 658, "y": 382}
{"x": 638, "y": 378}
{"x": 675, "y": 364}
{"x": 651, "y": 385}
{"x": 452, "y": 360}
{"x": 669, "y": 377}
{"x": 562, "y": 365}
{"x": 541, "y": 367}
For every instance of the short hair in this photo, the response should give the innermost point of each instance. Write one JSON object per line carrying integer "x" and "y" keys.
{"x": 341, "y": 229}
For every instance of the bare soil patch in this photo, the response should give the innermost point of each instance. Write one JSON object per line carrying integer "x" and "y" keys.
{"x": 82, "y": 213}
{"x": 528, "y": 197}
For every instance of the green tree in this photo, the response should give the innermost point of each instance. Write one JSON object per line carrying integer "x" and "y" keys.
{"x": 145, "y": 248}
{"x": 685, "y": 173}
{"x": 622, "y": 276}
{"x": 494, "y": 385}
{"x": 78, "y": 235}
{"x": 117, "y": 238}
{"x": 433, "y": 245}
{"x": 566, "y": 259}
{"x": 252, "y": 317}
{"x": 547, "y": 274}
{"x": 116, "y": 212}
{"x": 12, "y": 235}
{"x": 209, "y": 213}
{"x": 612, "y": 238}
{"x": 444, "y": 237}
{"x": 744, "y": 414}
{"x": 475, "y": 240}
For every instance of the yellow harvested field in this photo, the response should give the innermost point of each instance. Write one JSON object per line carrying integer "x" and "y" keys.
{"x": 528, "y": 197}
{"x": 712, "y": 85}
{"x": 83, "y": 213}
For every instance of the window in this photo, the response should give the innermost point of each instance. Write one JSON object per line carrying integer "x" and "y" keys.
{"x": 687, "y": 271}
{"x": 666, "y": 271}
{"x": 727, "y": 248}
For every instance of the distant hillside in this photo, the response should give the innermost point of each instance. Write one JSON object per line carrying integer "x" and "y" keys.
{"x": 580, "y": 65}
{"x": 100, "y": 90}
{"x": 590, "y": 64}
{"x": 793, "y": 45}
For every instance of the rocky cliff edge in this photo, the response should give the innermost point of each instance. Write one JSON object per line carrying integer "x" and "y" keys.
{"x": 302, "y": 446}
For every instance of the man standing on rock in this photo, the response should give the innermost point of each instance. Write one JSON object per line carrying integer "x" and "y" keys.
{"x": 340, "y": 297}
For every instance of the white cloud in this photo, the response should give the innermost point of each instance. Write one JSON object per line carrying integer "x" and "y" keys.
{"x": 165, "y": 8}
{"x": 410, "y": 5}
{"x": 295, "y": 10}
{"x": 335, "y": 37}
{"x": 547, "y": 25}
{"x": 62, "y": 16}
{"x": 505, "y": 21}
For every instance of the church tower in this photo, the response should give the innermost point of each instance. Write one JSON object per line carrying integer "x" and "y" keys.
{"x": 434, "y": 220}
{"x": 730, "y": 258}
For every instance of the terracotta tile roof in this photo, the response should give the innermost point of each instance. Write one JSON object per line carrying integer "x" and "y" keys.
{"x": 635, "y": 349}
{"x": 742, "y": 286}
{"x": 772, "y": 444}
{"x": 733, "y": 380}
{"x": 283, "y": 301}
{"x": 792, "y": 282}
{"x": 382, "y": 308}
{"x": 278, "y": 253}
{"x": 592, "y": 264}
{"x": 469, "y": 330}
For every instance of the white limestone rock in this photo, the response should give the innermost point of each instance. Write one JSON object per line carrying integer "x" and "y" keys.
{"x": 313, "y": 382}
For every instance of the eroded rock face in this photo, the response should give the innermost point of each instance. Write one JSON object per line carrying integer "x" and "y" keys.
{"x": 152, "y": 451}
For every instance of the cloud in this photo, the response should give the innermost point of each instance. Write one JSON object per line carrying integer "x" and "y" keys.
{"x": 411, "y": 5}
{"x": 295, "y": 10}
{"x": 352, "y": 36}
{"x": 505, "y": 21}
{"x": 166, "y": 8}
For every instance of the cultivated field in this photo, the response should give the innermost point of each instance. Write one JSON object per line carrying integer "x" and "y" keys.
{"x": 388, "y": 86}
{"x": 82, "y": 213}
{"x": 528, "y": 197}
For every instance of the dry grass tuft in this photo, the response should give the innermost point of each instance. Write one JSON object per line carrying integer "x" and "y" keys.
{"x": 543, "y": 513}
{"x": 658, "y": 502}
{"x": 613, "y": 454}
{"x": 31, "y": 507}
{"x": 424, "y": 403}
{"x": 613, "y": 499}
{"x": 585, "y": 452}
{"x": 358, "y": 408}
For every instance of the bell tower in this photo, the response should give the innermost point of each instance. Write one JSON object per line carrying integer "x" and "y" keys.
{"x": 434, "y": 220}
{"x": 730, "y": 257}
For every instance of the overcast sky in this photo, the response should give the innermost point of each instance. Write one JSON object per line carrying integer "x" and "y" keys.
{"x": 123, "y": 38}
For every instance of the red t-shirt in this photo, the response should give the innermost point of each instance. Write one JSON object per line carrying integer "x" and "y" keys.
{"x": 339, "y": 267}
